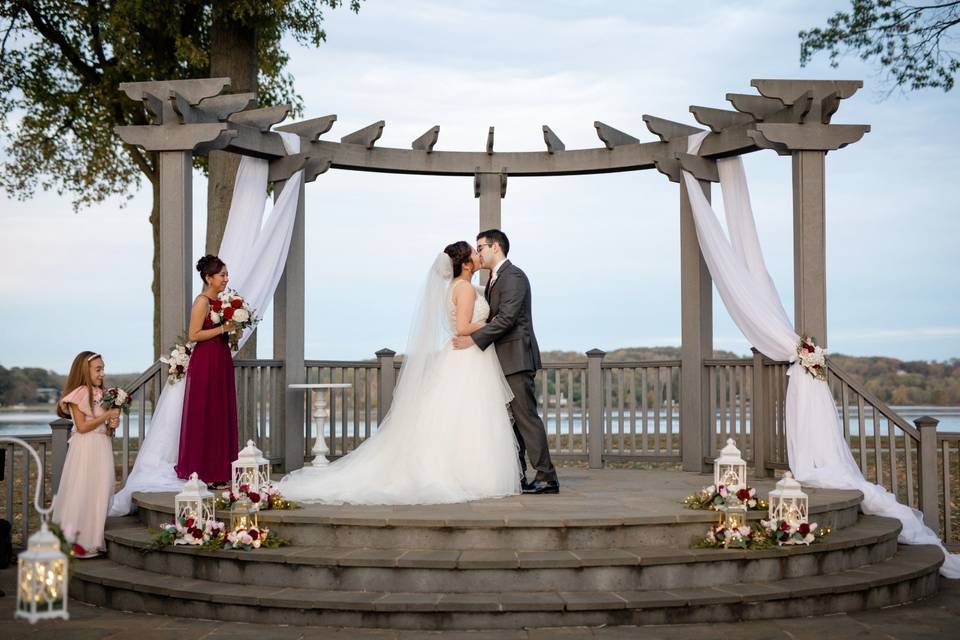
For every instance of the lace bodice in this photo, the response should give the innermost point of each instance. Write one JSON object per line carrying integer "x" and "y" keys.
{"x": 481, "y": 310}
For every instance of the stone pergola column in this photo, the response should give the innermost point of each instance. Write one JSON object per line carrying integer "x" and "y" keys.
{"x": 289, "y": 336}
{"x": 696, "y": 330}
{"x": 176, "y": 244}
{"x": 490, "y": 188}
{"x": 809, "y": 245}
{"x": 807, "y": 140}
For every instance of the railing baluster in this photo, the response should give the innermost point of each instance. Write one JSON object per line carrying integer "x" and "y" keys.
{"x": 570, "y": 412}
{"x": 556, "y": 407}
{"x": 947, "y": 498}
{"x": 25, "y": 496}
{"x": 657, "y": 395}
{"x": 607, "y": 409}
{"x": 633, "y": 410}
{"x": 620, "y": 404}
{"x": 355, "y": 390}
{"x": 894, "y": 484}
{"x": 366, "y": 403}
{"x": 908, "y": 453}
{"x": 668, "y": 445}
{"x": 877, "y": 446}
{"x": 712, "y": 373}
{"x": 861, "y": 422}
{"x": 644, "y": 410}
{"x": 344, "y": 423}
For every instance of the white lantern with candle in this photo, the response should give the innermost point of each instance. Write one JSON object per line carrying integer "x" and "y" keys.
{"x": 730, "y": 469}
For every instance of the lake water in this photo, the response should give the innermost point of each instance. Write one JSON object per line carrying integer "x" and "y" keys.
{"x": 38, "y": 422}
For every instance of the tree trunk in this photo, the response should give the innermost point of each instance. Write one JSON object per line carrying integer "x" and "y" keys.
{"x": 155, "y": 287}
{"x": 233, "y": 53}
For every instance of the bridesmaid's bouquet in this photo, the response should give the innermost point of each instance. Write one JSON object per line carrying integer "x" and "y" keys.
{"x": 231, "y": 307}
{"x": 116, "y": 398}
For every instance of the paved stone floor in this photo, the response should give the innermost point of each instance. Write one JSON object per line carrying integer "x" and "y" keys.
{"x": 937, "y": 617}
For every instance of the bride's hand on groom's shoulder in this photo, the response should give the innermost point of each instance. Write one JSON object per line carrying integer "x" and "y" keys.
{"x": 462, "y": 342}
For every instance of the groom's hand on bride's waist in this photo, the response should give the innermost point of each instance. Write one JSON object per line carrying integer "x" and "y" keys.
{"x": 462, "y": 342}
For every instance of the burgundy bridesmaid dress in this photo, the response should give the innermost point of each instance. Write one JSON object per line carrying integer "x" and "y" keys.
{"x": 208, "y": 429}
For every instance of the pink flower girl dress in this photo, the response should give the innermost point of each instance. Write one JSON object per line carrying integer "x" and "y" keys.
{"x": 88, "y": 478}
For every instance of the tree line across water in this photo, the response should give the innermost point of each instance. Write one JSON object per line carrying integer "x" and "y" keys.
{"x": 894, "y": 381}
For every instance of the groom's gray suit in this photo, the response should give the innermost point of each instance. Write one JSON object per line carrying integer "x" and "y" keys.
{"x": 510, "y": 329}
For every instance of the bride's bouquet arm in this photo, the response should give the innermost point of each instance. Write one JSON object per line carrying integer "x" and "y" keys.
{"x": 463, "y": 299}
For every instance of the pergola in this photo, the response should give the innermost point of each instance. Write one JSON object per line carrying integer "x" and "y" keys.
{"x": 791, "y": 117}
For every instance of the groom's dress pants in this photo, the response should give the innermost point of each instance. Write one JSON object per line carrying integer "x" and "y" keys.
{"x": 529, "y": 429}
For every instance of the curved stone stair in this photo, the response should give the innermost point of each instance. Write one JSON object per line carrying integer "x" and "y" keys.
{"x": 410, "y": 569}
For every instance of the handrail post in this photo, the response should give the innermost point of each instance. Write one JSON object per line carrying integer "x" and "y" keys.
{"x": 386, "y": 383}
{"x": 758, "y": 417}
{"x": 929, "y": 485}
{"x": 61, "y": 433}
{"x": 595, "y": 407}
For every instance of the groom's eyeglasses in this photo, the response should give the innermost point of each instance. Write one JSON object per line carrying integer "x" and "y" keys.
{"x": 482, "y": 245}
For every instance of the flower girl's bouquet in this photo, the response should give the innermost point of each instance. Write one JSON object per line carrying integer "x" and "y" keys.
{"x": 116, "y": 398}
{"x": 231, "y": 307}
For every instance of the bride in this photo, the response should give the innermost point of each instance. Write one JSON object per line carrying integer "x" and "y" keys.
{"x": 447, "y": 436}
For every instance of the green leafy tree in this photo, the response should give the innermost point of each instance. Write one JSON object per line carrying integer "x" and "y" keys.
{"x": 912, "y": 44}
{"x": 61, "y": 63}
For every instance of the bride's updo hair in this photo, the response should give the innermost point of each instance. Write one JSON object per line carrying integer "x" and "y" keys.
{"x": 460, "y": 253}
{"x": 209, "y": 266}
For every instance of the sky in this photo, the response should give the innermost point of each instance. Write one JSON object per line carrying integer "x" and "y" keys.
{"x": 602, "y": 251}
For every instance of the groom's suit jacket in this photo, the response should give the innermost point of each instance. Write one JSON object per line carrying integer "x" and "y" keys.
{"x": 510, "y": 325}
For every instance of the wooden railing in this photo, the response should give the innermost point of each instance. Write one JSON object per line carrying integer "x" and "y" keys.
{"x": 19, "y": 484}
{"x": 595, "y": 410}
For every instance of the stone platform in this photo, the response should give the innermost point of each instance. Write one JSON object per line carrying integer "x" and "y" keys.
{"x": 611, "y": 548}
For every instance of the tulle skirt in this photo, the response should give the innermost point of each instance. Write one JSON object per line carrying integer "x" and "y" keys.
{"x": 449, "y": 441}
{"x": 86, "y": 486}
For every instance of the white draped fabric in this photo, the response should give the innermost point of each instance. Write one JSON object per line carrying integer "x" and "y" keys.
{"x": 255, "y": 252}
{"x": 819, "y": 455}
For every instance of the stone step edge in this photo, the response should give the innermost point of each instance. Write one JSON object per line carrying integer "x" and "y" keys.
{"x": 869, "y": 530}
{"x": 297, "y": 517}
{"x": 909, "y": 563}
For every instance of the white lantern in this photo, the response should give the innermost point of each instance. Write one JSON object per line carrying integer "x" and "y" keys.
{"x": 243, "y": 514}
{"x": 788, "y": 502}
{"x": 730, "y": 469}
{"x": 195, "y": 502}
{"x": 42, "y": 578}
{"x": 250, "y": 469}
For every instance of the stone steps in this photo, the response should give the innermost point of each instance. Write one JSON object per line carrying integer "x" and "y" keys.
{"x": 871, "y": 540}
{"x": 911, "y": 573}
{"x": 543, "y": 523}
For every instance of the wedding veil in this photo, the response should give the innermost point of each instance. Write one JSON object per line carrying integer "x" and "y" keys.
{"x": 431, "y": 333}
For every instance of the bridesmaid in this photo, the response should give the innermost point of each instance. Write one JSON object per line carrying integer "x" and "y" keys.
{"x": 208, "y": 428}
{"x": 87, "y": 481}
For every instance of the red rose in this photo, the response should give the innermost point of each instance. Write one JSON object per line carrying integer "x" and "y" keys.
{"x": 179, "y": 368}
{"x": 228, "y": 313}
{"x": 254, "y": 533}
{"x": 189, "y": 523}
{"x": 244, "y": 488}
{"x": 77, "y": 550}
{"x": 804, "y": 529}
{"x": 784, "y": 526}
{"x": 254, "y": 497}
{"x": 236, "y": 303}
{"x": 216, "y": 305}
{"x": 743, "y": 494}
{"x": 186, "y": 350}
{"x": 197, "y": 533}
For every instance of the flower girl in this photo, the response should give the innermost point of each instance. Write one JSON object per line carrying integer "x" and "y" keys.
{"x": 88, "y": 478}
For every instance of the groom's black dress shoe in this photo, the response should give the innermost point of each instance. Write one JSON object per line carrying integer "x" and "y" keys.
{"x": 542, "y": 486}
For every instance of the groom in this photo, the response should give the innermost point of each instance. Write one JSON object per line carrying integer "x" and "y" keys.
{"x": 510, "y": 328}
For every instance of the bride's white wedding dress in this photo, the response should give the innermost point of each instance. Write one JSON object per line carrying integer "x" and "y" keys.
{"x": 447, "y": 437}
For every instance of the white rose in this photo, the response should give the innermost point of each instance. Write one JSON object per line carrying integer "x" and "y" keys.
{"x": 214, "y": 317}
{"x": 241, "y": 316}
